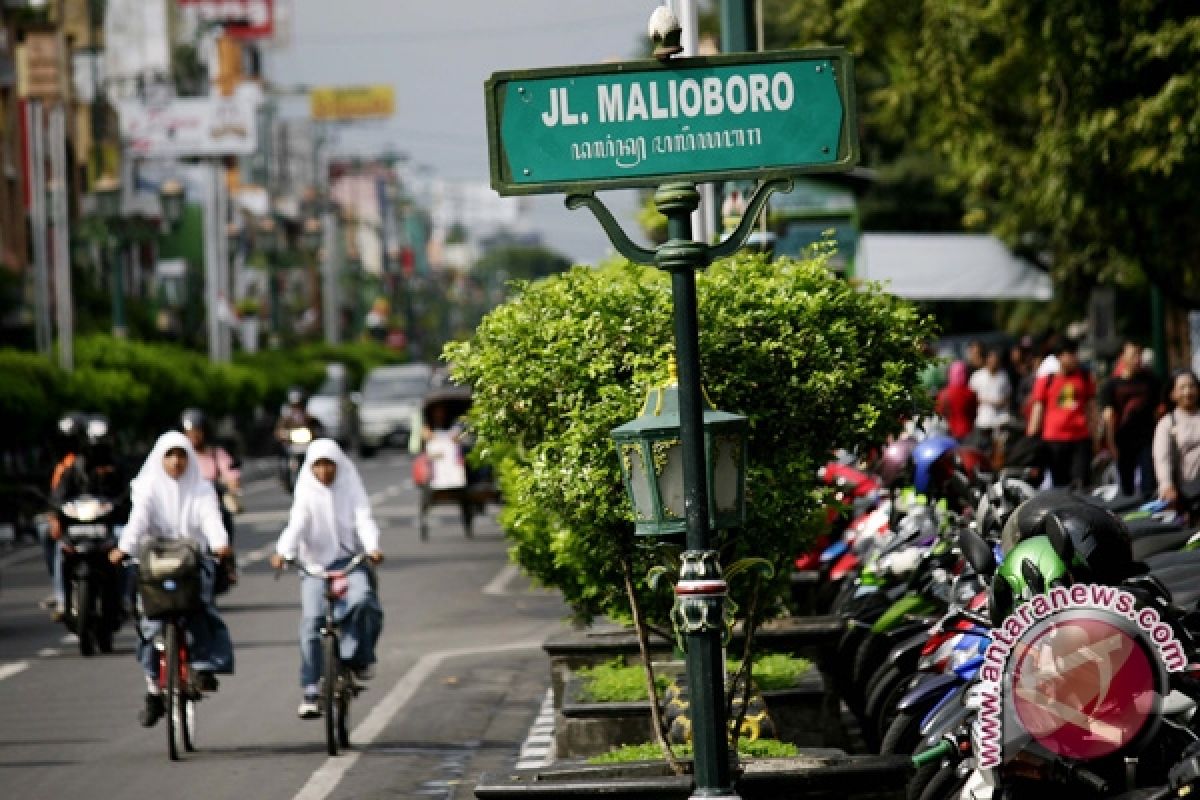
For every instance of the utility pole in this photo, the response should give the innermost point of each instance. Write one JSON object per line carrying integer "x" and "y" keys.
{"x": 330, "y": 270}
{"x": 63, "y": 300}
{"x": 35, "y": 129}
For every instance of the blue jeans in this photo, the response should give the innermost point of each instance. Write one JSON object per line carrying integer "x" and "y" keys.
{"x": 209, "y": 644}
{"x": 359, "y": 616}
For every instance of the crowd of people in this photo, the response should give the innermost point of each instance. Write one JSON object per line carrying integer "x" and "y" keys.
{"x": 1049, "y": 402}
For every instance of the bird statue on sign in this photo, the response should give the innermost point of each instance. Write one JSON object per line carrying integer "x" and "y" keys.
{"x": 665, "y": 30}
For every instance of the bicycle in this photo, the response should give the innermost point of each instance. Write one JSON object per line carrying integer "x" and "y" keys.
{"x": 171, "y": 597}
{"x": 338, "y": 685}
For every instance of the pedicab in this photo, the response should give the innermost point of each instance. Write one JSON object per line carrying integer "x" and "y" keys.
{"x": 441, "y": 471}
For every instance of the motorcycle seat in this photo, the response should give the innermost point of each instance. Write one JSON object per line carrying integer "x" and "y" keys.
{"x": 1183, "y": 584}
{"x": 1173, "y": 558}
{"x": 1149, "y": 544}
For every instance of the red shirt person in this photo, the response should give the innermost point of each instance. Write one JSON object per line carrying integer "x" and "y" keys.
{"x": 1061, "y": 415}
{"x": 957, "y": 403}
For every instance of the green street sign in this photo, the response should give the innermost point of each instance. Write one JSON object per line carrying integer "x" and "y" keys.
{"x": 611, "y": 126}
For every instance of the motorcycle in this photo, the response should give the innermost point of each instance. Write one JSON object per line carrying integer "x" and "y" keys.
{"x": 92, "y": 586}
{"x": 295, "y": 447}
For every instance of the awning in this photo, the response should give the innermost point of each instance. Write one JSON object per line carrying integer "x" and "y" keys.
{"x": 949, "y": 266}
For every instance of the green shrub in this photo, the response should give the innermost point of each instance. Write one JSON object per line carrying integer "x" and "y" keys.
{"x": 650, "y": 751}
{"x": 812, "y": 360}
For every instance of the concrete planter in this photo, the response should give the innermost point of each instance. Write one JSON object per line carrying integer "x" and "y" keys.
{"x": 584, "y": 728}
{"x": 814, "y": 774}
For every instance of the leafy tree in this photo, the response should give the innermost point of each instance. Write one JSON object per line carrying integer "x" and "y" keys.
{"x": 519, "y": 262}
{"x": 1072, "y": 127}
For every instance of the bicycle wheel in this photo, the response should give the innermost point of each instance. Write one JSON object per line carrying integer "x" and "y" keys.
{"x": 330, "y": 666}
{"x": 171, "y": 692}
{"x": 343, "y": 731}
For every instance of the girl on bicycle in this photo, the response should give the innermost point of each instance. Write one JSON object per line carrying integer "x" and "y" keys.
{"x": 172, "y": 500}
{"x": 331, "y": 523}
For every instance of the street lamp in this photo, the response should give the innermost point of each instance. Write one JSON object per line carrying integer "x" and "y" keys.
{"x": 650, "y": 450}
{"x": 107, "y": 194}
{"x": 267, "y": 239}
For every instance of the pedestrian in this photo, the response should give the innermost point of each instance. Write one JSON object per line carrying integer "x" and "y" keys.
{"x": 994, "y": 390}
{"x": 331, "y": 523}
{"x": 1177, "y": 444}
{"x": 171, "y": 500}
{"x": 974, "y": 355}
{"x": 1061, "y": 415}
{"x": 1128, "y": 404}
{"x": 957, "y": 403}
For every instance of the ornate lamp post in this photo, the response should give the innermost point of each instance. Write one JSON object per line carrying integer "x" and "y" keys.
{"x": 107, "y": 193}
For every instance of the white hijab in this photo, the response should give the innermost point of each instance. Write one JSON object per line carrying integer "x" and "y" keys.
{"x": 334, "y": 508}
{"x": 170, "y": 504}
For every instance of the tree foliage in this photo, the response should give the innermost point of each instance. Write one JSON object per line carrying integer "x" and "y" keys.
{"x": 811, "y": 360}
{"x": 1072, "y": 127}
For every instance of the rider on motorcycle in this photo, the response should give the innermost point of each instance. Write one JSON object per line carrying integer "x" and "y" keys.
{"x": 88, "y": 466}
{"x": 294, "y": 414}
{"x": 220, "y": 469}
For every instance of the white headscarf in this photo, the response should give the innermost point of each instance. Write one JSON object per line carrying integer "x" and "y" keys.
{"x": 163, "y": 506}
{"x": 329, "y": 522}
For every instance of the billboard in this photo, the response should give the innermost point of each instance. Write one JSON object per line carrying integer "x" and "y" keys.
{"x": 190, "y": 127}
{"x": 330, "y": 103}
{"x": 251, "y": 20}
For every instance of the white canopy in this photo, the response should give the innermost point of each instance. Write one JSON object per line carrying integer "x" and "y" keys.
{"x": 949, "y": 266}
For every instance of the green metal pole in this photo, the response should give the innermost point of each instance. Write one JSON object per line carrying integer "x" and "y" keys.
{"x": 118, "y": 292}
{"x": 701, "y": 589}
{"x": 1158, "y": 330}
{"x": 737, "y": 26}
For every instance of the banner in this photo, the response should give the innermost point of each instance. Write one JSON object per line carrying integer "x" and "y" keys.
{"x": 329, "y": 103}
{"x": 190, "y": 127}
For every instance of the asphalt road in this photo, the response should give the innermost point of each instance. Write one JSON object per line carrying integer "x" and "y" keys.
{"x": 460, "y": 679}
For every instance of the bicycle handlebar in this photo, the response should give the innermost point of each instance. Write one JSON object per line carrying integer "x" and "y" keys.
{"x": 320, "y": 572}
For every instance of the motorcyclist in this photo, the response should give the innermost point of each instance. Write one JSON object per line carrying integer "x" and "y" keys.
{"x": 220, "y": 469}
{"x": 294, "y": 414}
{"x": 88, "y": 466}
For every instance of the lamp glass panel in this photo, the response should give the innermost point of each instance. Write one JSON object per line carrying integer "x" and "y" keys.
{"x": 668, "y": 464}
{"x": 639, "y": 482}
{"x": 726, "y": 466}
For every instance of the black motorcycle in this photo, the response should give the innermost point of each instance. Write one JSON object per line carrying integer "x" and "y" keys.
{"x": 92, "y": 586}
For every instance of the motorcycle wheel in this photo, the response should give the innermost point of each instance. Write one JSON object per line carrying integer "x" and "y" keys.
{"x": 945, "y": 784}
{"x": 85, "y": 626}
{"x": 902, "y": 735}
{"x": 920, "y": 780}
{"x": 882, "y": 688}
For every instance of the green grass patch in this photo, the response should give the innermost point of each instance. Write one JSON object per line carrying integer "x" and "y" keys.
{"x": 614, "y": 682}
{"x": 772, "y": 671}
{"x": 650, "y": 751}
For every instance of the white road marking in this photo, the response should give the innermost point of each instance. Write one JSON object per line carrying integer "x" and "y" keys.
{"x": 383, "y": 494}
{"x": 322, "y": 782}
{"x": 49, "y": 652}
{"x": 251, "y": 517}
{"x": 8, "y": 670}
{"x": 499, "y": 584}
{"x": 254, "y": 556}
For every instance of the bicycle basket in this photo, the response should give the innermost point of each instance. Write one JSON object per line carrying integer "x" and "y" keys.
{"x": 169, "y": 577}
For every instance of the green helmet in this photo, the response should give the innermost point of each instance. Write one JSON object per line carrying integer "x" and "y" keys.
{"x": 1030, "y": 568}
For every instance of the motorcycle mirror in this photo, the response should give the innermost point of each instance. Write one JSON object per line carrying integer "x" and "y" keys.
{"x": 977, "y": 552}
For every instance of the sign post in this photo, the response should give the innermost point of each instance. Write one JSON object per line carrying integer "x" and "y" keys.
{"x": 763, "y": 117}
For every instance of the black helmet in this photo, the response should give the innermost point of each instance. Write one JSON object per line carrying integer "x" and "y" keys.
{"x": 194, "y": 419}
{"x": 1102, "y": 548}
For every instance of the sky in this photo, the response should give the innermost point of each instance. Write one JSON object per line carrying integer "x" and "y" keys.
{"x": 436, "y": 56}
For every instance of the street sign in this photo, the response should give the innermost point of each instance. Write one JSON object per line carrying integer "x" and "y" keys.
{"x": 610, "y": 126}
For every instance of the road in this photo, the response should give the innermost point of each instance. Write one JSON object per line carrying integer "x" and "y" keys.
{"x": 460, "y": 679}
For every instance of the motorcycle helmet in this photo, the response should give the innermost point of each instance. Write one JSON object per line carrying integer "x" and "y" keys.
{"x": 1025, "y": 520}
{"x": 894, "y": 463}
{"x": 1102, "y": 548}
{"x": 194, "y": 419}
{"x": 1032, "y": 567}
{"x": 933, "y": 461}
{"x": 295, "y": 396}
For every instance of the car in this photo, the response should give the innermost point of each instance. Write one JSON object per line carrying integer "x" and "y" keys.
{"x": 391, "y": 399}
{"x": 334, "y": 406}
